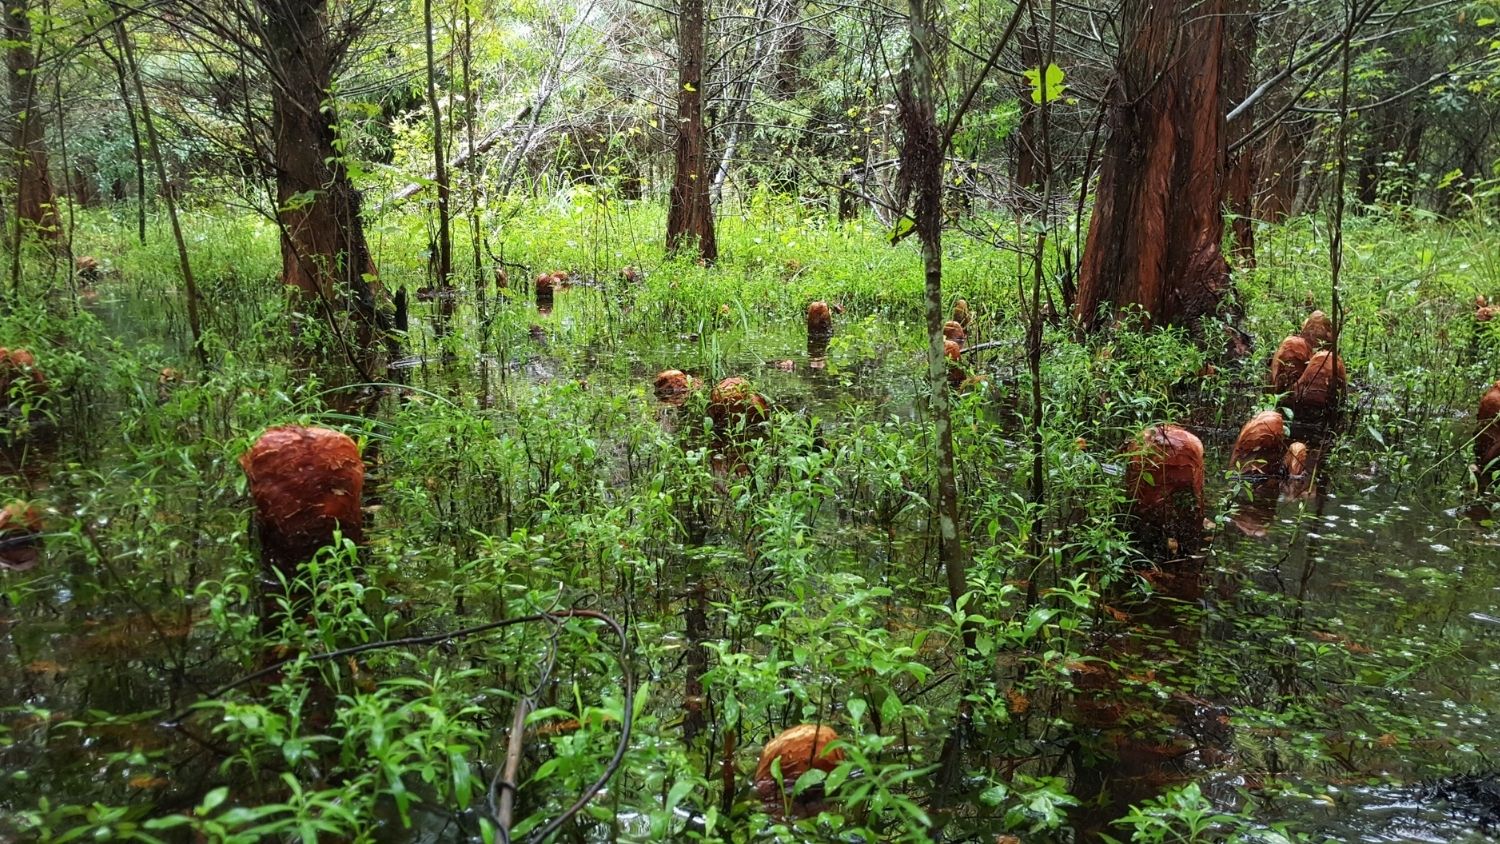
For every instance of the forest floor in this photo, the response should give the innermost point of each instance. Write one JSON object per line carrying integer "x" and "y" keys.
{"x": 1323, "y": 670}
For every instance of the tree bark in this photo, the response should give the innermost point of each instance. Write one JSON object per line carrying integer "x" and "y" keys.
{"x": 443, "y": 258}
{"x": 323, "y": 249}
{"x": 922, "y": 173}
{"x": 1027, "y": 142}
{"x": 690, "y": 216}
{"x": 1154, "y": 238}
{"x": 36, "y": 204}
{"x": 1239, "y": 73}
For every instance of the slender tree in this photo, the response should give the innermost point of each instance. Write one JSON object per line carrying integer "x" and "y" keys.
{"x": 189, "y": 283}
{"x": 690, "y": 215}
{"x": 922, "y": 178}
{"x": 136, "y": 148}
{"x": 443, "y": 257}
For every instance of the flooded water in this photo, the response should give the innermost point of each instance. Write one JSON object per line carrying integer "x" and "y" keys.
{"x": 1329, "y": 662}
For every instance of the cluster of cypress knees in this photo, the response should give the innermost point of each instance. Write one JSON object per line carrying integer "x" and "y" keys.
{"x": 307, "y": 482}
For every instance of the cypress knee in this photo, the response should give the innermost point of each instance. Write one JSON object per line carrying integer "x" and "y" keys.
{"x": 1261, "y": 444}
{"x": 306, "y": 483}
{"x": 1289, "y": 363}
{"x": 1164, "y": 478}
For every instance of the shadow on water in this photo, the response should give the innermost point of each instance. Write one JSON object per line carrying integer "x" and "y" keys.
{"x": 1328, "y": 662}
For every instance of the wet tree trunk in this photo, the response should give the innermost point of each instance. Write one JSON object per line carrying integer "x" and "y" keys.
{"x": 36, "y": 204}
{"x": 1154, "y": 238}
{"x": 323, "y": 250}
{"x": 690, "y": 216}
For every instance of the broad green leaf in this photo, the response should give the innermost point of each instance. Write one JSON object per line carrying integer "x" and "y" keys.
{"x": 1053, "y": 87}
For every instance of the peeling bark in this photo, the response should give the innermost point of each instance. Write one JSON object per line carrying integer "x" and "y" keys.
{"x": 1154, "y": 238}
{"x": 36, "y": 203}
{"x": 323, "y": 248}
{"x": 690, "y": 216}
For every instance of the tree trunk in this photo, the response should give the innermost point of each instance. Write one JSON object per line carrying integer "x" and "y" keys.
{"x": 1154, "y": 238}
{"x": 1239, "y": 76}
{"x": 136, "y": 147}
{"x": 443, "y": 257}
{"x": 323, "y": 248}
{"x": 36, "y": 204}
{"x": 1027, "y": 143}
{"x": 476, "y": 238}
{"x": 690, "y": 215}
{"x": 922, "y": 173}
{"x": 184, "y": 265}
{"x": 1278, "y": 173}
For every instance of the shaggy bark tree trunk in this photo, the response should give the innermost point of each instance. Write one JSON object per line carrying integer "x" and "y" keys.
{"x": 1027, "y": 141}
{"x": 1154, "y": 238}
{"x": 323, "y": 248}
{"x": 690, "y": 215}
{"x": 36, "y": 204}
{"x": 922, "y": 175}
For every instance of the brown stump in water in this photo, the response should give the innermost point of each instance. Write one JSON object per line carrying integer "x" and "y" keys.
{"x": 1487, "y": 442}
{"x": 306, "y": 483}
{"x": 961, "y": 313}
{"x": 800, "y": 749}
{"x": 1320, "y": 389}
{"x": 20, "y": 536}
{"x": 87, "y": 267}
{"x": 1164, "y": 478}
{"x": 952, "y": 352}
{"x": 545, "y": 284}
{"x": 1289, "y": 362}
{"x": 954, "y": 332}
{"x": 734, "y": 404}
{"x": 1483, "y": 312}
{"x": 819, "y": 320}
{"x": 19, "y": 374}
{"x": 673, "y": 385}
{"x": 1296, "y": 465}
{"x": 1261, "y": 444}
{"x": 817, "y": 352}
{"x": 1317, "y": 330}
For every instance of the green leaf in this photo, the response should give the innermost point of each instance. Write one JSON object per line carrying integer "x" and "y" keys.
{"x": 903, "y": 227}
{"x": 1053, "y": 88}
{"x": 212, "y": 799}
{"x": 679, "y": 790}
{"x": 809, "y": 778}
